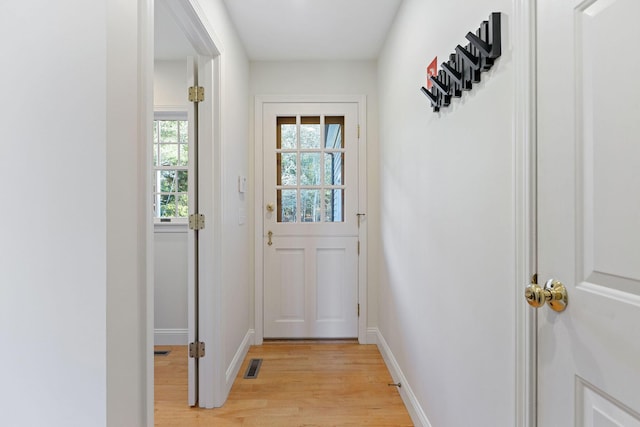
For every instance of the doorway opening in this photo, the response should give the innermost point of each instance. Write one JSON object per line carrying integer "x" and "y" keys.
{"x": 183, "y": 148}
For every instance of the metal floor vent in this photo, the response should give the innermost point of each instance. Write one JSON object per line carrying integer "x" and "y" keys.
{"x": 161, "y": 352}
{"x": 252, "y": 370}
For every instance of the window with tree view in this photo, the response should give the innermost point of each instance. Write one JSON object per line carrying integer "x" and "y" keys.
{"x": 310, "y": 169}
{"x": 170, "y": 161}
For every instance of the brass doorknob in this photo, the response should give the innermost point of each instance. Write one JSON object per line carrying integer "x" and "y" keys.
{"x": 270, "y": 207}
{"x": 554, "y": 293}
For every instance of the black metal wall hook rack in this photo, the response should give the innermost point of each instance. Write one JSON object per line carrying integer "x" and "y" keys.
{"x": 466, "y": 64}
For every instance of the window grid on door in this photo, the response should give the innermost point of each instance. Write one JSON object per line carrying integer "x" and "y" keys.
{"x": 310, "y": 162}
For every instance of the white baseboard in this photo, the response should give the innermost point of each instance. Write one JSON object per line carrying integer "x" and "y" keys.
{"x": 170, "y": 337}
{"x": 418, "y": 416}
{"x": 372, "y": 336}
{"x": 238, "y": 358}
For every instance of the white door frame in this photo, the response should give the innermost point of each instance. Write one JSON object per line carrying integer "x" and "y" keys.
{"x": 523, "y": 31}
{"x": 192, "y": 20}
{"x": 260, "y": 203}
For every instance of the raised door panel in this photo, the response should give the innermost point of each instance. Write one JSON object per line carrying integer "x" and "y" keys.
{"x": 335, "y": 288}
{"x": 311, "y": 288}
{"x": 285, "y": 297}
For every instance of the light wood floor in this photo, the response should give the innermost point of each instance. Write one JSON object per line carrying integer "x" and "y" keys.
{"x": 299, "y": 384}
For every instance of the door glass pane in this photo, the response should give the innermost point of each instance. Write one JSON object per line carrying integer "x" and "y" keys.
{"x": 310, "y": 201}
{"x": 310, "y": 169}
{"x": 310, "y": 132}
{"x": 333, "y": 132}
{"x": 288, "y": 168}
{"x": 287, "y": 133}
{"x": 287, "y": 202}
{"x": 334, "y": 206}
{"x": 333, "y": 168}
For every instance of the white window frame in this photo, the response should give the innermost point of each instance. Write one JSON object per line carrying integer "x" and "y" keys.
{"x": 167, "y": 221}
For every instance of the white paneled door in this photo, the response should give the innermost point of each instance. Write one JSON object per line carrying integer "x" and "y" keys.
{"x": 310, "y": 220}
{"x": 589, "y": 211}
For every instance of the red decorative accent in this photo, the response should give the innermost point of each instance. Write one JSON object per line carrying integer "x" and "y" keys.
{"x": 432, "y": 70}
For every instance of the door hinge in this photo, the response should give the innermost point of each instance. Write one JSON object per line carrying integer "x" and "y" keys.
{"x": 358, "y": 310}
{"x": 358, "y": 131}
{"x": 196, "y": 94}
{"x": 196, "y": 350}
{"x": 358, "y": 247}
{"x": 196, "y": 221}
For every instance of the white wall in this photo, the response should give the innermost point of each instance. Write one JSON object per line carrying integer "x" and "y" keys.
{"x": 170, "y": 240}
{"x": 53, "y": 245}
{"x": 71, "y": 254}
{"x": 74, "y": 257}
{"x": 170, "y": 84}
{"x": 170, "y": 285}
{"x": 129, "y": 363}
{"x": 447, "y": 221}
{"x": 333, "y": 78}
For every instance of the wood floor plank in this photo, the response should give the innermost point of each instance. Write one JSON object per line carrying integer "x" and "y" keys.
{"x": 299, "y": 384}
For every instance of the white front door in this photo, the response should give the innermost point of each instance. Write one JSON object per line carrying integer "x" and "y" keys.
{"x": 310, "y": 220}
{"x": 589, "y": 211}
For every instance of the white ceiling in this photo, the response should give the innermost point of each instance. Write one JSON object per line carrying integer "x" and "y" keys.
{"x": 276, "y": 30}
{"x": 292, "y": 30}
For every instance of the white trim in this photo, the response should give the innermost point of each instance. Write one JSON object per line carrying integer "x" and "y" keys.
{"x": 258, "y": 223}
{"x": 191, "y": 19}
{"x": 372, "y": 336}
{"x": 260, "y": 100}
{"x": 212, "y": 390}
{"x": 238, "y": 359}
{"x": 410, "y": 400}
{"x": 170, "y": 112}
{"x": 524, "y": 190}
{"x": 362, "y": 208}
{"x": 170, "y": 336}
{"x": 145, "y": 184}
{"x": 170, "y": 227}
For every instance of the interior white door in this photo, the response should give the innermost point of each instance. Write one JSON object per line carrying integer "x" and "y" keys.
{"x": 192, "y": 237}
{"x": 589, "y": 211}
{"x": 310, "y": 220}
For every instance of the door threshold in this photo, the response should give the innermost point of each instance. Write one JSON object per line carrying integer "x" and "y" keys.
{"x": 310, "y": 341}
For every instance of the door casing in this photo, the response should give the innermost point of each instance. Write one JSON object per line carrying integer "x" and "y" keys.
{"x": 523, "y": 31}
{"x": 213, "y": 383}
{"x": 260, "y": 101}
